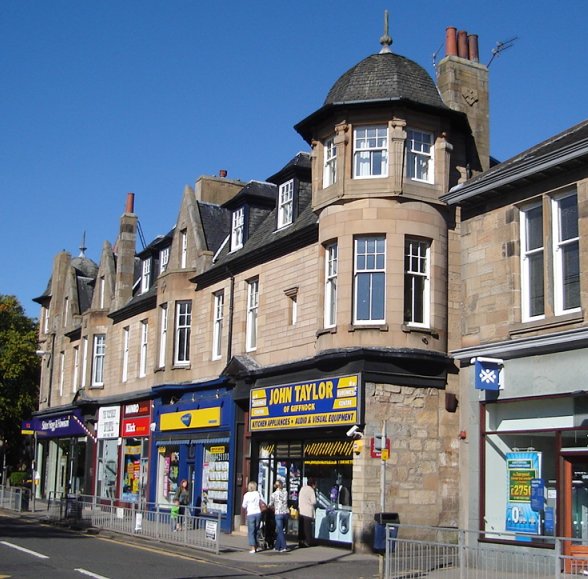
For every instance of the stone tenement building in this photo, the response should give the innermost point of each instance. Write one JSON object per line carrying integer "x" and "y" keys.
{"x": 276, "y": 315}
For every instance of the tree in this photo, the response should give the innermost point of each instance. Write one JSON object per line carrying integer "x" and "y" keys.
{"x": 19, "y": 375}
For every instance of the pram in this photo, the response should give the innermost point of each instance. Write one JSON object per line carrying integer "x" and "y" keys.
{"x": 266, "y": 535}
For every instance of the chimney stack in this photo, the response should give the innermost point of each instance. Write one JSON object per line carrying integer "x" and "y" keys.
{"x": 125, "y": 252}
{"x": 463, "y": 84}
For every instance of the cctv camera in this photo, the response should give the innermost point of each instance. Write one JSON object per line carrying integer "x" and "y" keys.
{"x": 354, "y": 431}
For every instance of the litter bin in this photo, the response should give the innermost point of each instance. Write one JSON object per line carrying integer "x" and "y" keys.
{"x": 381, "y": 520}
{"x": 73, "y": 507}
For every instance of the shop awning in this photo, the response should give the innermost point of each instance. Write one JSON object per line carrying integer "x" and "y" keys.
{"x": 169, "y": 441}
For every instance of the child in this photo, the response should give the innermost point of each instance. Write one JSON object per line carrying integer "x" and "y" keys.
{"x": 174, "y": 515}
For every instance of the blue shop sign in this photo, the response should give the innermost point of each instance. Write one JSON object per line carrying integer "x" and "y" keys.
{"x": 61, "y": 425}
{"x": 326, "y": 402}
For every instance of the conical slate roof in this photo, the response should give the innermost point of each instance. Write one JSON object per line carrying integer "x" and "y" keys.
{"x": 382, "y": 77}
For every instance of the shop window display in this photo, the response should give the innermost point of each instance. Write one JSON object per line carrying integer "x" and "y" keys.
{"x": 330, "y": 464}
{"x": 107, "y": 468}
{"x": 134, "y": 468}
{"x": 168, "y": 467}
{"x": 215, "y": 479}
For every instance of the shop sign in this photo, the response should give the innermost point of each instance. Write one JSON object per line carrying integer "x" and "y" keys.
{"x": 109, "y": 422}
{"x": 136, "y": 426}
{"x": 137, "y": 408}
{"x": 522, "y": 468}
{"x": 319, "y": 403}
{"x": 63, "y": 425}
{"x": 188, "y": 419}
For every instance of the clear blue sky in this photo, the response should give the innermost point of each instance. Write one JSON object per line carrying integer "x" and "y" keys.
{"x": 102, "y": 97}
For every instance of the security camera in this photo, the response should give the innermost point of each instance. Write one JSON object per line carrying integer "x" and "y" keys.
{"x": 353, "y": 432}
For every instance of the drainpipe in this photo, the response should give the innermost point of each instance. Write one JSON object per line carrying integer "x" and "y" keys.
{"x": 231, "y": 312}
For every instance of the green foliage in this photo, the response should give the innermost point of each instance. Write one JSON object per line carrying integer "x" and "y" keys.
{"x": 18, "y": 477}
{"x": 19, "y": 374}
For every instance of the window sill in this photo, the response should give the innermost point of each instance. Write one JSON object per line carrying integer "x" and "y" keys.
{"x": 408, "y": 329}
{"x": 360, "y": 327}
{"x": 181, "y": 366}
{"x": 97, "y": 387}
{"x": 323, "y": 331}
{"x": 545, "y": 324}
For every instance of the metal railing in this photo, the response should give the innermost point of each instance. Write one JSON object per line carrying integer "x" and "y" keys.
{"x": 435, "y": 552}
{"x": 13, "y": 498}
{"x": 148, "y": 520}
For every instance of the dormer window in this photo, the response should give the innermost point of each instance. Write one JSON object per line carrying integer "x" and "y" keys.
{"x": 370, "y": 152}
{"x": 330, "y": 163}
{"x": 285, "y": 203}
{"x": 183, "y": 249}
{"x": 237, "y": 228}
{"x": 419, "y": 162}
{"x": 146, "y": 275}
{"x": 163, "y": 259}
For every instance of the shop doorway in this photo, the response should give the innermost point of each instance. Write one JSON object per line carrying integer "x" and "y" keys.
{"x": 575, "y": 508}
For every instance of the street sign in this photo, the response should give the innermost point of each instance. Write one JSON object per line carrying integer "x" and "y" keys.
{"x": 374, "y": 453}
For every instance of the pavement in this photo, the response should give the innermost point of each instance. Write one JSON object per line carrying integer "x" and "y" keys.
{"x": 317, "y": 561}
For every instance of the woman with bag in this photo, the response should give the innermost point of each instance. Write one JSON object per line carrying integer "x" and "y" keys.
{"x": 182, "y": 496}
{"x": 253, "y": 504}
{"x": 279, "y": 502}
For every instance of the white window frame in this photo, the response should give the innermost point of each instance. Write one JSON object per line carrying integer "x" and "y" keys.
{"x": 329, "y": 163}
{"x": 46, "y": 320}
{"x": 217, "y": 333}
{"x": 560, "y": 247}
{"x": 420, "y": 147}
{"x": 76, "y": 369}
{"x": 65, "y": 310}
{"x": 252, "y": 314}
{"x": 417, "y": 282}
{"x": 237, "y": 228}
{"x": 144, "y": 347}
{"x": 84, "y": 361}
{"x": 286, "y": 203}
{"x": 162, "y": 335}
{"x": 370, "y": 142}
{"x": 125, "y": 360}
{"x": 331, "y": 266}
{"x": 98, "y": 356}
{"x": 529, "y": 257}
{"x": 61, "y": 372}
{"x": 163, "y": 259}
{"x": 369, "y": 261}
{"x": 101, "y": 291}
{"x": 182, "y": 333}
{"x": 183, "y": 249}
{"x": 146, "y": 275}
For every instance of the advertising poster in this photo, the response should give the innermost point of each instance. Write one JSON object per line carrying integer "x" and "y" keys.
{"x": 521, "y": 469}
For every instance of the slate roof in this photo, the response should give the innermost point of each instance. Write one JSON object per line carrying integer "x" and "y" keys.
{"x": 382, "y": 77}
{"x": 216, "y": 221}
{"x": 565, "y": 149}
{"x": 254, "y": 193}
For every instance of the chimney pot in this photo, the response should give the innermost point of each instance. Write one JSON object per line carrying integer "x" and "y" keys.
{"x": 223, "y": 173}
{"x": 451, "y": 41}
{"x": 462, "y": 44}
{"x": 473, "y": 48}
{"x": 130, "y": 206}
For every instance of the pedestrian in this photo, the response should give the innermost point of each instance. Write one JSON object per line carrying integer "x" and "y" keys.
{"x": 251, "y": 500}
{"x": 279, "y": 502}
{"x": 182, "y": 496}
{"x": 306, "y": 507}
{"x": 174, "y": 515}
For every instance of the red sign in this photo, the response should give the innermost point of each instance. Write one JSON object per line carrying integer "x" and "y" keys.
{"x": 378, "y": 453}
{"x": 137, "y": 408}
{"x": 136, "y": 426}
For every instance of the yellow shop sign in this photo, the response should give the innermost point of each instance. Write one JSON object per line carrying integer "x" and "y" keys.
{"x": 189, "y": 419}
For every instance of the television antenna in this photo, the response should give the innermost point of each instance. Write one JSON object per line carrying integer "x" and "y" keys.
{"x": 500, "y": 47}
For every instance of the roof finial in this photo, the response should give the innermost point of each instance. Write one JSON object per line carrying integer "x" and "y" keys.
{"x": 385, "y": 39}
{"x": 83, "y": 246}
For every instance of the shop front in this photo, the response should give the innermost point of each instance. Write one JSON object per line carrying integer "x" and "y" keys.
{"x": 193, "y": 441}
{"x": 107, "y": 463}
{"x": 298, "y": 432}
{"x": 135, "y": 431}
{"x": 60, "y": 455}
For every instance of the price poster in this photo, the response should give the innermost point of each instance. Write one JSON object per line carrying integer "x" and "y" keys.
{"x": 521, "y": 469}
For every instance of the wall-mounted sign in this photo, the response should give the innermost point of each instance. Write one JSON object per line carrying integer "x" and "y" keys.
{"x": 69, "y": 424}
{"x": 188, "y": 419}
{"x": 137, "y": 408}
{"x": 139, "y": 426}
{"x": 109, "y": 422}
{"x": 326, "y": 402}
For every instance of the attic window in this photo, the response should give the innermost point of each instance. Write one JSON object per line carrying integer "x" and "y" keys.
{"x": 237, "y": 228}
{"x": 419, "y": 146}
{"x": 285, "y": 203}
{"x": 146, "y": 275}
{"x": 330, "y": 164}
{"x": 370, "y": 152}
{"x": 163, "y": 259}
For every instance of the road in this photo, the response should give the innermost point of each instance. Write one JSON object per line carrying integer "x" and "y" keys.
{"x": 30, "y": 549}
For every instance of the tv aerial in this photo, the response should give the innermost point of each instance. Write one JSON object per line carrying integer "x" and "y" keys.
{"x": 500, "y": 47}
